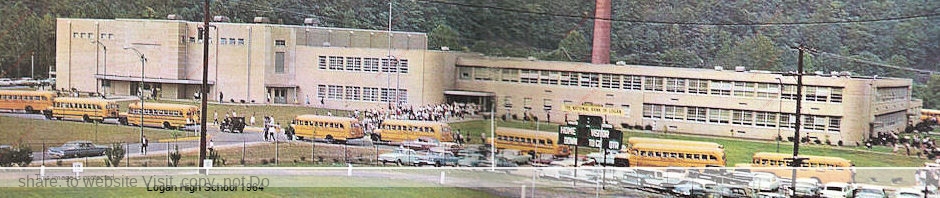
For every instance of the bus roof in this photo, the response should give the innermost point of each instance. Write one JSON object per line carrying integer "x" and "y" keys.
{"x": 930, "y": 111}
{"x": 27, "y": 93}
{"x": 319, "y": 117}
{"x": 160, "y": 106}
{"x": 83, "y": 100}
{"x": 642, "y": 140}
{"x": 525, "y": 132}
{"x": 812, "y": 158}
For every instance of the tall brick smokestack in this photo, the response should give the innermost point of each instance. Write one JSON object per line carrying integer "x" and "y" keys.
{"x": 600, "y": 52}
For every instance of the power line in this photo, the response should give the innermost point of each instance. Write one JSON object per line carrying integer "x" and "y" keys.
{"x": 874, "y": 63}
{"x": 898, "y": 18}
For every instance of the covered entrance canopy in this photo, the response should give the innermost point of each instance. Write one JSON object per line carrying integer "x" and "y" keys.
{"x": 281, "y": 94}
{"x": 483, "y": 99}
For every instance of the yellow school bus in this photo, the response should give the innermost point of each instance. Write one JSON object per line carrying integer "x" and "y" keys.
{"x": 640, "y": 140}
{"x": 29, "y": 101}
{"x": 326, "y": 127}
{"x": 822, "y": 168}
{"x": 929, "y": 114}
{"x": 407, "y": 130}
{"x": 529, "y": 141}
{"x": 87, "y": 109}
{"x": 671, "y": 155}
{"x": 163, "y": 115}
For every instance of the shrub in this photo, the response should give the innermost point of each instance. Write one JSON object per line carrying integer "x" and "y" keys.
{"x": 114, "y": 155}
{"x": 175, "y": 157}
{"x": 264, "y": 161}
{"x": 649, "y": 127}
{"x": 19, "y": 156}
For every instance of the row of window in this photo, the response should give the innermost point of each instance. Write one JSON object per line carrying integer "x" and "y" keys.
{"x": 152, "y": 112}
{"x": 18, "y": 97}
{"x": 525, "y": 140}
{"x": 651, "y": 83}
{"x": 222, "y": 41}
{"x": 891, "y": 119}
{"x": 76, "y": 105}
{"x": 385, "y": 65}
{"x": 767, "y": 162}
{"x": 689, "y": 156}
{"x": 893, "y": 94}
{"x": 320, "y": 124}
{"x": 356, "y": 93}
{"x": 740, "y": 117}
{"x": 393, "y": 127}
{"x": 89, "y": 35}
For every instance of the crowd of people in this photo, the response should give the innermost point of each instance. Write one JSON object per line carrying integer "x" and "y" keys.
{"x": 441, "y": 112}
{"x": 912, "y": 144}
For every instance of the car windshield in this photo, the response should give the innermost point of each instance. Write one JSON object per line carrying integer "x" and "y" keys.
{"x": 908, "y": 195}
{"x": 834, "y": 188}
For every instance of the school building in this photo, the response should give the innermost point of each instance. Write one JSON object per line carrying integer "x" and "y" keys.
{"x": 349, "y": 69}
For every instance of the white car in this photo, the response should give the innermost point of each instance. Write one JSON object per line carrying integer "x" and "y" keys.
{"x": 908, "y": 193}
{"x": 836, "y": 189}
{"x": 601, "y": 159}
{"x": 807, "y": 187}
{"x": 868, "y": 192}
{"x": 6, "y": 82}
{"x": 764, "y": 182}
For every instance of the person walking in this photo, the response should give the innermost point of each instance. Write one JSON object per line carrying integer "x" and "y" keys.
{"x": 221, "y": 97}
{"x": 211, "y": 146}
{"x": 216, "y": 116}
{"x": 143, "y": 145}
{"x": 252, "y": 120}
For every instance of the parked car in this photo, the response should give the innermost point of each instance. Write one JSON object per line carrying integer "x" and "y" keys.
{"x": 908, "y": 193}
{"x": 807, "y": 187}
{"x": 659, "y": 180}
{"x": 836, "y": 190}
{"x": 569, "y": 162}
{"x": 401, "y": 156}
{"x": 421, "y": 144}
{"x": 770, "y": 195}
{"x": 472, "y": 149}
{"x": 728, "y": 191}
{"x": 868, "y": 192}
{"x": 6, "y": 82}
{"x": 233, "y": 124}
{"x": 544, "y": 159}
{"x": 632, "y": 179}
{"x": 764, "y": 182}
{"x": 500, "y": 162}
{"x": 602, "y": 159}
{"x": 438, "y": 158}
{"x": 515, "y": 156}
{"x": 78, "y": 149}
{"x": 686, "y": 188}
{"x": 471, "y": 160}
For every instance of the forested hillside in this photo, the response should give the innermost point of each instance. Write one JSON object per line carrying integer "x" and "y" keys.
{"x": 865, "y": 37}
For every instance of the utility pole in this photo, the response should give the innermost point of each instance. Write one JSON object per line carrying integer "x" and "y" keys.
{"x": 32, "y": 65}
{"x": 204, "y": 90}
{"x": 797, "y": 161}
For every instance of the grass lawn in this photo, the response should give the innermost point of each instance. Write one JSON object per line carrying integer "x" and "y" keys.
{"x": 738, "y": 151}
{"x": 54, "y": 133}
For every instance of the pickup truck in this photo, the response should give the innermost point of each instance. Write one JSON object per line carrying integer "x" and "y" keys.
{"x": 78, "y": 149}
{"x": 438, "y": 158}
{"x": 401, "y": 156}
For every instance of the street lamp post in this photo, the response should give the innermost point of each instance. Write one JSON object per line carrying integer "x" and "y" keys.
{"x": 105, "y": 48}
{"x": 140, "y": 89}
{"x": 779, "y": 111}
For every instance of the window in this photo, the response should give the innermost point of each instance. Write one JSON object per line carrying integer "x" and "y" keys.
{"x": 241, "y": 41}
{"x": 675, "y": 113}
{"x": 835, "y": 124}
{"x": 482, "y": 73}
{"x": 507, "y": 101}
{"x": 464, "y": 73}
{"x": 610, "y": 81}
{"x": 546, "y": 103}
{"x": 836, "y": 95}
{"x": 402, "y": 96}
{"x": 675, "y": 85}
{"x": 818, "y": 94}
{"x": 765, "y": 119}
{"x": 527, "y": 103}
{"x": 389, "y": 65}
{"x": 626, "y": 110}
{"x": 510, "y": 75}
{"x": 321, "y": 91}
{"x": 529, "y": 76}
{"x": 336, "y": 63}
{"x": 651, "y": 83}
{"x": 370, "y": 65}
{"x": 744, "y": 89}
{"x": 549, "y": 77}
{"x": 335, "y": 92}
{"x": 353, "y": 64}
{"x": 322, "y": 62}
{"x": 280, "y": 43}
{"x": 767, "y": 90}
{"x": 589, "y": 80}
{"x": 720, "y": 88}
{"x": 569, "y": 79}
{"x": 787, "y": 121}
{"x": 811, "y": 122}
{"x": 352, "y": 93}
{"x": 696, "y": 114}
{"x": 370, "y": 94}
{"x": 403, "y": 66}
{"x": 698, "y": 86}
{"x": 652, "y": 111}
{"x": 632, "y": 82}
{"x": 789, "y": 92}
{"x": 279, "y": 62}
{"x": 222, "y": 41}
{"x": 388, "y": 95}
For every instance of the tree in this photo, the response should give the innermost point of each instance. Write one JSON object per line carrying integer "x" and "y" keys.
{"x": 573, "y": 48}
{"x": 444, "y": 36}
